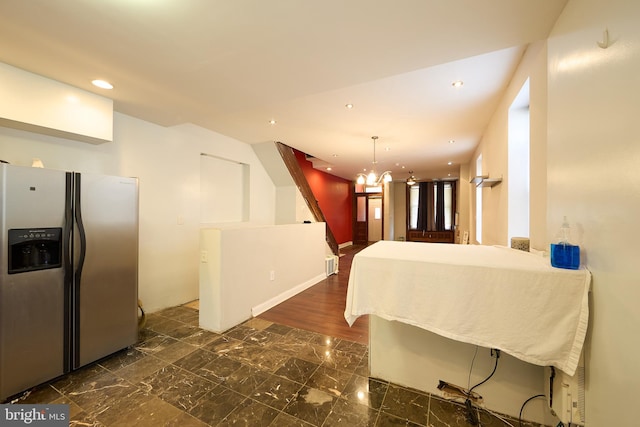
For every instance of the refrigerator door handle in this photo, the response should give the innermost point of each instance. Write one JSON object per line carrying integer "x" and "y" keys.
{"x": 67, "y": 261}
{"x": 67, "y": 238}
{"x": 81, "y": 233}
{"x": 77, "y": 274}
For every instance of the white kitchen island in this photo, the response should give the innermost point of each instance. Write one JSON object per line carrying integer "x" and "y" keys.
{"x": 432, "y": 304}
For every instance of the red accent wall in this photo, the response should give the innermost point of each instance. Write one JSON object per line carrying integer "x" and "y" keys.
{"x": 334, "y": 196}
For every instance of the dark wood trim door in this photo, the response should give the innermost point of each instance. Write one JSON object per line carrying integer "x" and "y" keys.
{"x": 360, "y": 219}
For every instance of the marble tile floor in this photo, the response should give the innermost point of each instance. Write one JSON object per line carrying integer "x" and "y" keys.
{"x": 256, "y": 374}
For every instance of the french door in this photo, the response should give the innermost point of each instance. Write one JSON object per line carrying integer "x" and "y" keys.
{"x": 367, "y": 218}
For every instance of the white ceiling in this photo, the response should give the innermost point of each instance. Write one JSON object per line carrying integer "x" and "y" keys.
{"x": 233, "y": 65}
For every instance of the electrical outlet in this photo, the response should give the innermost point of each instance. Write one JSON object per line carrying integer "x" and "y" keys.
{"x": 272, "y": 275}
{"x": 204, "y": 256}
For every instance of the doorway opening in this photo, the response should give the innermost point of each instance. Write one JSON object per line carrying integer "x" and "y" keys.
{"x": 368, "y": 218}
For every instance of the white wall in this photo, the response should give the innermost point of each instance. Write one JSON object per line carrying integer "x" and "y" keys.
{"x": 463, "y": 202}
{"x": 399, "y": 218}
{"x": 594, "y": 179}
{"x": 167, "y": 163}
{"x": 537, "y": 60}
{"x": 388, "y": 231}
{"x": 291, "y": 207}
{"x": 494, "y": 149}
{"x": 585, "y": 152}
{"x": 303, "y": 213}
{"x": 416, "y": 358}
{"x": 248, "y": 270}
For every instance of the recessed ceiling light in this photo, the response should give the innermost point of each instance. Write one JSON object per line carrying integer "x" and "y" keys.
{"x": 102, "y": 84}
{"x": 457, "y": 83}
{"x": 334, "y": 155}
{"x": 387, "y": 148}
{"x": 450, "y": 163}
{"x": 272, "y": 122}
{"x": 348, "y": 106}
{"x": 451, "y": 141}
{"x": 329, "y": 168}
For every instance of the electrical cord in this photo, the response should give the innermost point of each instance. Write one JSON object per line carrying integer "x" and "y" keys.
{"x": 524, "y": 404}
{"x": 490, "y": 375}
{"x": 472, "y": 417}
{"x": 471, "y": 368}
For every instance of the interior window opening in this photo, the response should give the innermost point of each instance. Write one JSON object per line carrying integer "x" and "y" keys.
{"x": 519, "y": 165}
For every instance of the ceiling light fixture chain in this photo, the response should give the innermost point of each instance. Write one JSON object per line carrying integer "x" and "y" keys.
{"x": 374, "y": 151}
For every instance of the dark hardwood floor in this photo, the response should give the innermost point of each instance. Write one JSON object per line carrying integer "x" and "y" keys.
{"x": 320, "y": 308}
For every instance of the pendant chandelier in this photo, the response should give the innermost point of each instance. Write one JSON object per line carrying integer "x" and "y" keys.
{"x": 372, "y": 179}
{"x": 411, "y": 180}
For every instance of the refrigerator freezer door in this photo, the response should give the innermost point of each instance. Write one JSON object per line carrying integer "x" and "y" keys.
{"x": 32, "y": 303}
{"x": 106, "y": 290}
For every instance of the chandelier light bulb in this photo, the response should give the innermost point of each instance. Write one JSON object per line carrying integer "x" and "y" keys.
{"x": 371, "y": 178}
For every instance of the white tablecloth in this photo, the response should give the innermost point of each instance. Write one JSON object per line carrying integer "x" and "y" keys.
{"x": 492, "y": 296}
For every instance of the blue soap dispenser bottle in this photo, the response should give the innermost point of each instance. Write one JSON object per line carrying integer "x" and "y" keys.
{"x": 563, "y": 253}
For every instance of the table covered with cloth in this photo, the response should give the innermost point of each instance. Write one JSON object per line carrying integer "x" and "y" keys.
{"x": 491, "y": 296}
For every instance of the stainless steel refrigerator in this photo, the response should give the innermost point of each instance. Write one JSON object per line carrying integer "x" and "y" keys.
{"x": 68, "y": 272}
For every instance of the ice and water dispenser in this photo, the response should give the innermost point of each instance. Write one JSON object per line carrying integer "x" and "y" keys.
{"x": 34, "y": 249}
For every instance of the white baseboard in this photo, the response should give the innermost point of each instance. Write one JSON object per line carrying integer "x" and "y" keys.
{"x": 345, "y": 244}
{"x": 261, "y": 308}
